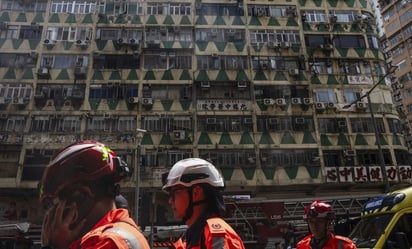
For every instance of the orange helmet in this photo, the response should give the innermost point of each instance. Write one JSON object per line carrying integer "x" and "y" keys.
{"x": 81, "y": 162}
{"x": 319, "y": 209}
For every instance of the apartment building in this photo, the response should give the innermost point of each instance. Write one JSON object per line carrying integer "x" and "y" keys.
{"x": 397, "y": 44}
{"x": 288, "y": 99}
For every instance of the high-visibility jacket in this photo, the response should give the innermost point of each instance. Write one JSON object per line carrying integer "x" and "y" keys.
{"x": 217, "y": 235}
{"x": 334, "y": 242}
{"x": 115, "y": 230}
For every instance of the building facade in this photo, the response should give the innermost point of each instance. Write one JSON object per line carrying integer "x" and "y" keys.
{"x": 397, "y": 44}
{"x": 273, "y": 93}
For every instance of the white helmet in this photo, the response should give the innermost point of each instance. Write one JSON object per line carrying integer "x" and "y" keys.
{"x": 191, "y": 171}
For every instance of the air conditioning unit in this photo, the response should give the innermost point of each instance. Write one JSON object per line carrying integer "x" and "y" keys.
{"x": 133, "y": 100}
{"x": 77, "y": 93}
{"x": 205, "y": 84}
{"x": 291, "y": 10}
{"x": 43, "y": 71}
{"x": 121, "y": 41}
{"x": 280, "y": 102}
{"x": 307, "y": 101}
{"x": 211, "y": 121}
{"x": 268, "y": 101}
{"x": 273, "y": 44}
{"x": 320, "y": 106}
{"x": 273, "y": 121}
{"x": 213, "y": 32}
{"x": 285, "y": 44}
{"x": 82, "y": 43}
{"x": 361, "y": 105}
{"x": 330, "y": 105}
{"x": 49, "y": 42}
{"x": 147, "y": 101}
{"x": 179, "y": 135}
{"x": 133, "y": 41}
{"x": 349, "y": 153}
{"x": 342, "y": 123}
{"x": 80, "y": 70}
{"x": 293, "y": 71}
{"x": 231, "y": 32}
{"x": 18, "y": 101}
{"x": 326, "y": 47}
{"x": 299, "y": 120}
{"x": 296, "y": 101}
{"x": 241, "y": 84}
{"x": 2, "y": 101}
{"x": 333, "y": 18}
{"x": 248, "y": 121}
{"x": 260, "y": 12}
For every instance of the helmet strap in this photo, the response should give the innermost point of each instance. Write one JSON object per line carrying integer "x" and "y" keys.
{"x": 189, "y": 209}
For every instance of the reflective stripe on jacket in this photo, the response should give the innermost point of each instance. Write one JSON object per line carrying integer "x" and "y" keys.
{"x": 334, "y": 242}
{"x": 217, "y": 235}
{"x": 115, "y": 230}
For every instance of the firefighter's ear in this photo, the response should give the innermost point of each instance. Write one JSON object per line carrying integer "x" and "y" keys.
{"x": 197, "y": 193}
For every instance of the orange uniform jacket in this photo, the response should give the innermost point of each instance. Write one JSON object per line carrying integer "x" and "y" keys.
{"x": 218, "y": 235}
{"x": 334, "y": 242}
{"x": 115, "y": 230}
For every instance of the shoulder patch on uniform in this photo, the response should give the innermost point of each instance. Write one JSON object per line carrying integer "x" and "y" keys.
{"x": 216, "y": 226}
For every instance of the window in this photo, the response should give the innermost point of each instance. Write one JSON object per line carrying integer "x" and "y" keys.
{"x": 30, "y": 32}
{"x": 215, "y": 9}
{"x": 224, "y": 124}
{"x": 350, "y": 67}
{"x": 106, "y": 61}
{"x": 349, "y": 41}
{"x": 371, "y": 157}
{"x": 68, "y": 33}
{"x": 279, "y": 124}
{"x": 162, "y": 158}
{"x": 264, "y": 36}
{"x": 15, "y": 91}
{"x": 72, "y": 7}
{"x": 112, "y": 91}
{"x": 344, "y": 16}
{"x": 35, "y": 162}
{"x": 315, "y": 41}
{"x": 326, "y": 95}
{"x": 365, "y": 125}
{"x": 351, "y": 95}
{"x": 23, "y": 6}
{"x": 278, "y": 158}
{"x": 322, "y": 67}
{"x": 11, "y": 32}
{"x": 328, "y": 125}
{"x": 17, "y": 60}
{"x": 315, "y": 16}
{"x": 230, "y": 159}
{"x": 13, "y": 123}
{"x": 167, "y": 123}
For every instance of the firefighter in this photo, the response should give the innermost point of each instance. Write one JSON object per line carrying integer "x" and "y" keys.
{"x": 78, "y": 192}
{"x": 195, "y": 196}
{"x": 319, "y": 216}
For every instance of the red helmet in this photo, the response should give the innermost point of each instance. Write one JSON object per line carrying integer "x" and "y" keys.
{"x": 319, "y": 209}
{"x": 80, "y": 162}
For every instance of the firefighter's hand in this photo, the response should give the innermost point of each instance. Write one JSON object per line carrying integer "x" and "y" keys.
{"x": 56, "y": 231}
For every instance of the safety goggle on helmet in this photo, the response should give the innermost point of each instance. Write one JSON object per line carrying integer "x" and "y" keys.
{"x": 191, "y": 171}
{"x": 319, "y": 209}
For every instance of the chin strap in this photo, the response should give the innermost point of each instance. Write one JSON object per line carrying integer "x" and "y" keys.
{"x": 189, "y": 210}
